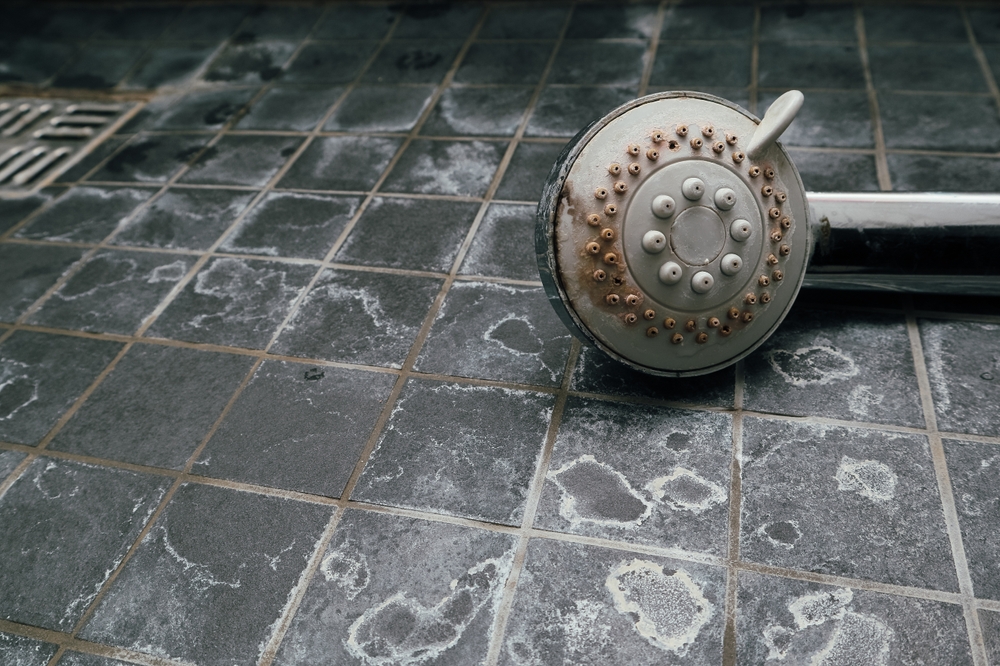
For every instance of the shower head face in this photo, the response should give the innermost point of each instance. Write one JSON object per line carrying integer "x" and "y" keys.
{"x": 669, "y": 238}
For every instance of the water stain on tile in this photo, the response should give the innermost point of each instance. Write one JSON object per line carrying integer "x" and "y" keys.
{"x": 22, "y": 651}
{"x": 596, "y": 492}
{"x": 685, "y": 490}
{"x": 460, "y": 168}
{"x": 817, "y": 364}
{"x": 868, "y": 478}
{"x": 348, "y": 570}
{"x": 781, "y": 533}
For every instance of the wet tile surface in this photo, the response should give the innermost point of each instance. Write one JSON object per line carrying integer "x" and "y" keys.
{"x": 458, "y": 168}
{"x": 202, "y": 109}
{"x": 973, "y": 470}
{"x": 564, "y": 111}
{"x": 934, "y": 173}
{"x": 528, "y": 169}
{"x": 829, "y": 120}
{"x": 499, "y": 62}
{"x": 478, "y": 112}
{"x": 22, "y": 651}
{"x": 184, "y": 219}
{"x": 151, "y": 159}
{"x": 990, "y": 622}
{"x": 940, "y": 122}
{"x": 169, "y": 65}
{"x": 85, "y": 214}
{"x": 837, "y": 172}
{"x": 242, "y": 160}
{"x": 330, "y": 62}
{"x": 253, "y": 62}
{"x": 497, "y": 432}
{"x": 964, "y": 371}
{"x": 801, "y": 22}
{"x": 785, "y": 65}
{"x": 692, "y": 65}
{"x": 290, "y": 108}
{"x": 27, "y": 271}
{"x": 586, "y": 62}
{"x": 380, "y": 109}
{"x": 499, "y": 248}
{"x": 926, "y": 67}
{"x": 413, "y": 62}
{"x": 320, "y": 165}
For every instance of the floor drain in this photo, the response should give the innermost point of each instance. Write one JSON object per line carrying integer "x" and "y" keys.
{"x": 40, "y": 138}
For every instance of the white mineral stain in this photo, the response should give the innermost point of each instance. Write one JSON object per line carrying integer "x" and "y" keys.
{"x": 237, "y": 285}
{"x": 167, "y": 273}
{"x": 935, "y": 356}
{"x": 861, "y": 398}
{"x": 684, "y": 490}
{"x": 868, "y": 478}
{"x": 777, "y": 639}
{"x": 668, "y": 608}
{"x": 17, "y": 388}
{"x": 809, "y": 366}
{"x": 859, "y": 640}
{"x": 781, "y": 534}
{"x": 200, "y": 575}
{"x": 595, "y": 492}
{"x": 366, "y": 298}
{"x": 112, "y": 270}
{"x": 459, "y": 171}
{"x": 348, "y": 570}
{"x": 813, "y": 609}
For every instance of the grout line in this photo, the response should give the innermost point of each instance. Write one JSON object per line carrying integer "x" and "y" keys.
{"x": 729, "y": 642}
{"x": 881, "y": 160}
{"x": 754, "y": 88}
{"x": 984, "y": 63}
{"x": 654, "y": 43}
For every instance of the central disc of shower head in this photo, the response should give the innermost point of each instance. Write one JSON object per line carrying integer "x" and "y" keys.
{"x": 673, "y": 233}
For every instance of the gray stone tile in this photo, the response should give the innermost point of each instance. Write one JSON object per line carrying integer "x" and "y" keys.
{"x": 797, "y": 22}
{"x": 184, "y": 219}
{"x": 935, "y": 173}
{"x": 914, "y": 24}
{"x": 436, "y": 20}
{"x": 169, "y": 65}
{"x": 67, "y": 526}
{"x": 990, "y": 622}
{"x": 461, "y": 168}
{"x": 291, "y": 108}
{"x": 81, "y": 659}
{"x": 32, "y": 61}
{"x": 845, "y": 502}
{"x": 413, "y": 62}
{"x": 136, "y": 23}
{"x": 508, "y": 63}
{"x": 76, "y": 23}
{"x": 85, "y": 214}
{"x": 101, "y": 152}
{"x": 208, "y": 22}
{"x": 292, "y": 224}
{"x": 985, "y": 23}
{"x": 829, "y": 120}
{"x": 478, "y": 112}
{"x": 595, "y": 372}
{"x": 42, "y": 375}
{"x": 21, "y": 651}
{"x": 784, "y": 65}
{"x": 941, "y": 67}
{"x": 355, "y": 21}
{"x": 523, "y": 22}
{"x": 708, "y": 20}
{"x": 13, "y": 211}
{"x": 210, "y": 579}
{"x": 640, "y": 474}
{"x": 27, "y": 271}
{"x": 297, "y": 427}
{"x": 582, "y": 605}
{"x": 152, "y": 159}
{"x": 114, "y": 292}
{"x": 824, "y": 363}
{"x": 502, "y": 247}
{"x": 250, "y": 62}
{"x": 366, "y": 605}
{"x": 380, "y": 109}
{"x": 416, "y": 234}
{"x": 697, "y": 64}
{"x": 589, "y": 62}
{"x": 9, "y": 460}
{"x": 459, "y": 450}
{"x": 99, "y": 65}
{"x": 564, "y": 111}
{"x": 836, "y": 172}
{"x": 798, "y": 622}
{"x": 963, "y": 363}
{"x": 359, "y": 317}
{"x": 341, "y": 163}
{"x": 242, "y": 160}
{"x": 940, "y": 122}
{"x": 330, "y": 62}
{"x": 973, "y": 470}
{"x": 620, "y": 22}
{"x": 201, "y": 110}
{"x": 497, "y": 331}
{"x": 133, "y": 414}
{"x": 528, "y": 169}
{"x": 279, "y": 21}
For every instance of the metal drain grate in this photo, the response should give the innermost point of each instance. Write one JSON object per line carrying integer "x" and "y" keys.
{"x": 41, "y": 138}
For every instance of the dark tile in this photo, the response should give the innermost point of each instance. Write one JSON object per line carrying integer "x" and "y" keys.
{"x": 478, "y": 112}
{"x": 290, "y": 108}
{"x": 829, "y": 120}
{"x": 279, "y": 21}
{"x": 14, "y": 211}
{"x": 99, "y": 65}
{"x": 586, "y": 605}
{"x": 940, "y": 122}
{"x": 695, "y": 64}
{"x": 836, "y": 172}
{"x": 714, "y": 21}
{"x": 208, "y": 22}
{"x": 587, "y": 62}
{"x": 203, "y": 109}
{"x": 185, "y": 219}
{"x": 504, "y": 63}
{"x": 640, "y": 474}
{"x": 132, "y": 416}
{"x": 821, "y": 363}
{"x": 341, "y": 163}
{"x": 169, "y": 65}
{"x": 74, "y": 23}
{"x": 9, "y": 460}
{"x": 963, "y": 364}
{"x": 242, "y": 160}
{"x": 973, "y": 470}
{"x": 210, "y": 580}
{"x": 528, "y": 170}
{"x": 939, "y": 67}
{"x": 832, "y": 298}
{"x": 85, "y": 214}
{"x": 844, "y": 502}
{"x": 289, "y": 224}
{"x": 42, "y": 376}
{"x": 436, "y": 20}
{"x": 21, "y": 651}
{"x": 297, "y": 427}
{"x": 381, "y": 109}
{"x": 985, "y": 23}
{"x": 67, "y": 526}
{"x": 990, "y": 622}
{"x": 81, "y": 659}
{"x": 810, "y": 66}
{"x": 598, "y": 373}
{"x": 992, "y": 54}
{"x": 152, "y": 159}
{"x": 413, "y": 62}
{"x": 523, "y": 22}
{"x": 330, "y": 62}
{"x": 739, "y": 96}
{"x": 797, "y": 622}
{"x": 95, "y": 157}
{"x": 359, "y": 317}
{"x": 114, "y": 292}
{"x": 136, "y": 23}
{"x": 799, "y": 21}
{"x": 461, "y": 168}
{"x": 445, "y": 593}
{"x": 32, "y": 61}
{"x": 347, "y": 21}
{"x": 935, "y": 173}
{"x": 914, "y": 24}
{"x": 600, "y": 22}
{"x": 564, "y": 111}
{"x": 250, "y": 62}
{"x": 497, "y": 331}
{"x": 495, "y": 434}
{"x": 958, "y": 304}
{"x": 415, "y": 234}
{"x": 499, "y": 248}
{"x": 27, "y": 271}
{"x": 234, "y": 302}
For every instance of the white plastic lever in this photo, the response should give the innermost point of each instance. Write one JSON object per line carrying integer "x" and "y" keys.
{"x": 779, "y": 116}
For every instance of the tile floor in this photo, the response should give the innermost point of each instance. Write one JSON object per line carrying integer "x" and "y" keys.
{"x": 279, "y": 385}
